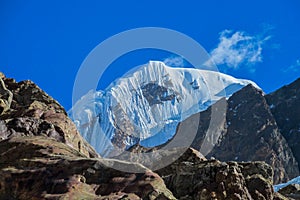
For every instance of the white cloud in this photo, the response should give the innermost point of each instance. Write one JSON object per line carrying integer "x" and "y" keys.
{"x": 293, "y": 68}
{"x": 174, "y": 61}
{"x": 238, "y": 48}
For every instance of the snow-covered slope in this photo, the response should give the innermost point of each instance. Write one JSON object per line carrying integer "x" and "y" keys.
{"x": 282, "y": 185}
{"x": 146, "y": 105}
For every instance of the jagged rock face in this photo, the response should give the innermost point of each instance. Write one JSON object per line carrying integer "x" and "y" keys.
{"x": 285, "y": 106}
{"x": 156, "y": 94}
{"x": 248, "y": 133}
{"x": 194, "y": 178}
{"x": 29, "y": 111}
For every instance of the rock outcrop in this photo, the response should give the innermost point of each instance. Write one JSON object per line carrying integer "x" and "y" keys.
{"x": 191, "y": 177}
{"x": 44, "y": 157}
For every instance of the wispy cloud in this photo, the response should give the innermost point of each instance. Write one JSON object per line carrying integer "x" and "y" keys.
{"x": 295, "y": 67}
{"x": 175, "y": 61}
{"x": 236, "y": 49}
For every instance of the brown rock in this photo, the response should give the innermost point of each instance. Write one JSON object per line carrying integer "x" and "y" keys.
{"x": 32, "y": 112}
{"x": 39, "y": 167}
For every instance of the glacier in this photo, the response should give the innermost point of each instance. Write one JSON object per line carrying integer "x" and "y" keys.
{"x": 145, "y": 105}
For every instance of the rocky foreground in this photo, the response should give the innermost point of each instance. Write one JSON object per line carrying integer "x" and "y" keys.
{"x": 44, "y": 157}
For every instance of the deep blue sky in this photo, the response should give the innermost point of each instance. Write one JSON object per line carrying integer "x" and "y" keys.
{"x": 46, "y": 41}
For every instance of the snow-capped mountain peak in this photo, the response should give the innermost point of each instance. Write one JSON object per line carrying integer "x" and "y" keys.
{"x": 146, "y": 104}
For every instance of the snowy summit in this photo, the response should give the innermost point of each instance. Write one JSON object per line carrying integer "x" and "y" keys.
{"x": 146, "y": 105}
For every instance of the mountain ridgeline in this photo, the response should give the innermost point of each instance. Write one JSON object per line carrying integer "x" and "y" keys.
{"x": 43, "y": 156}
{"x": 230, "y": 119}
{"x": 145, "y": 106}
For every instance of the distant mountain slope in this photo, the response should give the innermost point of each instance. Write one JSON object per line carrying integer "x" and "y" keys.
{"x": 146, "y": 105}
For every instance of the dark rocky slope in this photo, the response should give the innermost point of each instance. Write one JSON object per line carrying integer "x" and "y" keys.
{"x": 248, "y": 132}
{"x": 285, "y": 107}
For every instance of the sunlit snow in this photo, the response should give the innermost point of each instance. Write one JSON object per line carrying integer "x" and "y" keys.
{"x": 148, "y": 117}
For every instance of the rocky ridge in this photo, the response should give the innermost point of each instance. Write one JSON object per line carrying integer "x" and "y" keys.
{"x": 44, "y": 157}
